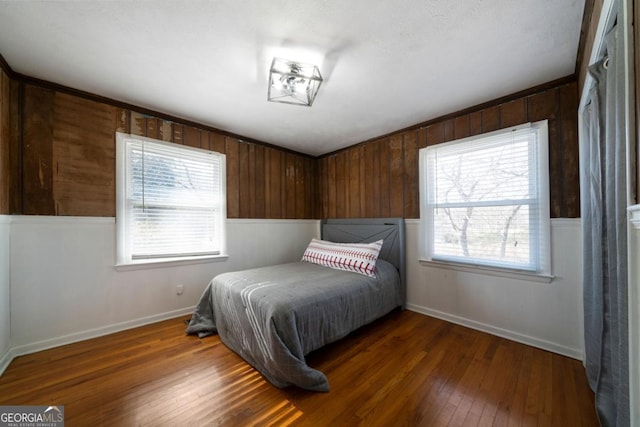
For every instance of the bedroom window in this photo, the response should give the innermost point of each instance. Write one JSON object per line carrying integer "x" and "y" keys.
{"x": 171, "y": 201}
{"x": 484, "y": 201}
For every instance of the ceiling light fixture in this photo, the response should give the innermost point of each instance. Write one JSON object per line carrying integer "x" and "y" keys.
{"x": 293, "y": 82}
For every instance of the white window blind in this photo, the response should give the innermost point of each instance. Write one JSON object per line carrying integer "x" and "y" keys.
{"x": 484, "y": 200}
{"x": 172, "y": 200}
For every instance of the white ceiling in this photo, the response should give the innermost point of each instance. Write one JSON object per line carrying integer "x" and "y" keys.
{"x": 387, "y": 65}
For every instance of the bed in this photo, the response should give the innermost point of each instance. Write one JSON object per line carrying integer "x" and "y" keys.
{"x": 274, "y": 316}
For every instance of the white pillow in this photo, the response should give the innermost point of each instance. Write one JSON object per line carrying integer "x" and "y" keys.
{"x": 357, "y": 257}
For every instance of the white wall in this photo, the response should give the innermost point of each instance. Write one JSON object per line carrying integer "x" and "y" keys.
{"x": 5, "y": 293}
{"x": 545, "y": 315}
{"x": 65, "y": 287}
{"x": 634, "y": 313}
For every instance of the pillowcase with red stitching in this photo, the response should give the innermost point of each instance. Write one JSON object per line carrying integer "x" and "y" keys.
{"x": 357, "y": 257}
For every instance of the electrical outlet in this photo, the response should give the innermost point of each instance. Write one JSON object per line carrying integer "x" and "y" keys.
{"x": 179, "y": 289}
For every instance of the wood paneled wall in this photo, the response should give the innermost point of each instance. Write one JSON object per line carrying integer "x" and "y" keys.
{"x": 62, "y": 158}
{"x": 68, "y": 160}
{"x": 5, "y": 134}
{"x": 379, "y": 178}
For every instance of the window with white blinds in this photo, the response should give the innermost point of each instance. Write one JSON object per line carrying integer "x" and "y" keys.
{"x": 171, "y": 200}
{"x": 485, "y": 200}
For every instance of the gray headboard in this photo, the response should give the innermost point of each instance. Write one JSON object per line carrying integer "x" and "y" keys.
{"x": 365, "y": 230}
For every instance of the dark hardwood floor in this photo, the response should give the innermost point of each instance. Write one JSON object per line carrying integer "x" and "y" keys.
{"x": 405, "y": 369}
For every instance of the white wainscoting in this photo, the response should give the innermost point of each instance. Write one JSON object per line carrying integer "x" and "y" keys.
{"x": 544, "y": 315}
{"x": 64, "y": 287}
{"x": 5, "y": 293}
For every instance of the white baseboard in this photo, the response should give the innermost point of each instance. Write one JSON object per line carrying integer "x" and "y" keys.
{"x": 22, "y": 350}
{"x": 504, "y": 333}
{"x": 6, "y": 359}
{"x": 14, "y": 352}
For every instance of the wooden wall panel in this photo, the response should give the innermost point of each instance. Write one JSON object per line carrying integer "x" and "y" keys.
{"x": 396, "y": 173}
{"x": 153, "y": 128}
{"x": 543, "y": 105}
{"x": 251, "y": 189}
{"x": 5, "y": 141}
{"x": 341, "y": 185}
{"x": 490, "y": 119}
{"x": 369, "y": 195}
{"x": 243, "y": 180}
{"x": 37, "y": 155}
{"x": 435, "y": 134}
{"x": 475, "y": 123}
{"x": 191, "y": 136}
{"x": 353, "y": 179}
{"x": 331, "y": 211}
{"x": 83, "y": 157}
{"x": 556, "y": 196}
{"x": 310, "y": 187}
{"x": 66, "y": 159}
{"x": 259, "y": 182}
{"x": 137, "y": 124}
{"x": 16, "y": 148}
{"x": 290, "y": 185}
{"x": 462, "y": 127}
{"x": 321, "y": 192}
{"x": 66, "y": 162}
{"x": 391, "y": 163}
{"x": 123, "y": 121}
{"x": 362, "y": 180}
{"x": 385, "y": 188}
{"x": 570, "y": 166}
{"x": 275, "y": 184}
{"x": 449, "y": 130}
{"x": 216, "y": 143}
{"x": 233, "y": 174}
{"x": 177, "y": 132}
{"x": 411, "y": 180}
{"x": 298, "y": 191}
{"x": 513, "y": 113}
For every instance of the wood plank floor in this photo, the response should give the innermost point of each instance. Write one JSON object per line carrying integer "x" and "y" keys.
{"x": 405, "y": 369}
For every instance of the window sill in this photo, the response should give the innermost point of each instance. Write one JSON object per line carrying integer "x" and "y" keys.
{"x": 490, "y": 271}
{"x": 169, "y": 262}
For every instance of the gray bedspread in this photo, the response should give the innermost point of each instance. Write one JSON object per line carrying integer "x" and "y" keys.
{"x": 273, "y": 316}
